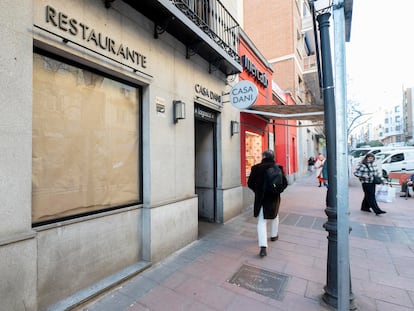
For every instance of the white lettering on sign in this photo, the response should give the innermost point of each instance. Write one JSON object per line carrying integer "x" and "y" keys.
{"x": 204, "y": 114}
{"x": 243, "y": 94}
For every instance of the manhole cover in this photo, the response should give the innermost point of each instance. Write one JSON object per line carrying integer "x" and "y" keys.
{"x": 263, "y": 282}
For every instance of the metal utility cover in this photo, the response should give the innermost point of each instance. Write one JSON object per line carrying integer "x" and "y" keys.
{"x": 263, "y": 282}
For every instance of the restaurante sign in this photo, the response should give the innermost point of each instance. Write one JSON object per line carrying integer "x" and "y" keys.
{"x": 72, "y": 26}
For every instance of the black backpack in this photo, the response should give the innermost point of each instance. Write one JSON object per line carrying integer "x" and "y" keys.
{"x": 275, "y": 181}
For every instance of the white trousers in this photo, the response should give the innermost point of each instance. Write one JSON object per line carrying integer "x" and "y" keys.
{"x": 262, "y": 228}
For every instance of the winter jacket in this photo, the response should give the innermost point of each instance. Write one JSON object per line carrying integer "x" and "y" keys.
{"x": 270, "y": 202}
{"x": 366, "y": 172}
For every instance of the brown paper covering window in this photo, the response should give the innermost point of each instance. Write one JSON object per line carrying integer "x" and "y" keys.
{"x": 85, "y": 141}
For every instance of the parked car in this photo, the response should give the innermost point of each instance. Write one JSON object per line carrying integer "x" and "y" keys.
{"x": 401, "y": 160}
{"x": 358, "y": 154}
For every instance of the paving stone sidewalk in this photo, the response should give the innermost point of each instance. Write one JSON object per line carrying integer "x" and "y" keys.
{"x": 222, "y": 270}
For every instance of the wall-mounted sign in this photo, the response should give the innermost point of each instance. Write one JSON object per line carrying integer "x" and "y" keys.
{"x": 261, "y": 77}
{"x": 205, "y": 92}
{"x": 204, "y": 114}
{"x": 98, "y": 40}
{"x": 243, "y": 94}
{"x": 160, "y": 106}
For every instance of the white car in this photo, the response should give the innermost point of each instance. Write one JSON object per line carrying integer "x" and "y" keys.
{"x": 358, "y": 154}
{"x": 395, "y": 161}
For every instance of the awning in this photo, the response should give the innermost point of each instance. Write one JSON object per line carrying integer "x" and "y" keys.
{"x": 289, "y": 112}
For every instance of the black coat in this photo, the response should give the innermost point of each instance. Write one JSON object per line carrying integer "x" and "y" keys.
{"x": 270, "y": 202}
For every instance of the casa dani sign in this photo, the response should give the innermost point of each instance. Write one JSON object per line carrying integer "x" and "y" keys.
{"x": 243, "y": 94}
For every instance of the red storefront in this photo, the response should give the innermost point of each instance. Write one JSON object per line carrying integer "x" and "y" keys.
{"x": 258, "y": 132}
{"x": 285, "y": 135}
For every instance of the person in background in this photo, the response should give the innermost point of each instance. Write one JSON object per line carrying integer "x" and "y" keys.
{"x": 324, "y": 173}
{"x": 266, "y": 205}
{"x": 404, "y": 186}
{"x": 311, "y": 163}
{"x": 320, "y": 161}
{"x": 365, "y": 171}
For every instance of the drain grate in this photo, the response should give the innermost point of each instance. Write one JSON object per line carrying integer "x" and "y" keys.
{"x": 263, "y": 282}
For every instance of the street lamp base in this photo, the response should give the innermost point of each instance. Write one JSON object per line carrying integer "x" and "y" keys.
{"x": 332, "y": 300}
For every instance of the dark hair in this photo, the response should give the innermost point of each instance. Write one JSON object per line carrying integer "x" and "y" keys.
{"x": 268, "y": 154}
{"x": 368, "y": 155}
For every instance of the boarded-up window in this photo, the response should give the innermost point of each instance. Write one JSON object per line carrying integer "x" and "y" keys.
{"x": 86, "y": 141}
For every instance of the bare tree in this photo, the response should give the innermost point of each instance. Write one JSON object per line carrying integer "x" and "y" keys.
{"x": 356, "y": 117}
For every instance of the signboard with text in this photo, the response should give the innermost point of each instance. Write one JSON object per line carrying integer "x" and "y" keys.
{"x": 243, "y": 95}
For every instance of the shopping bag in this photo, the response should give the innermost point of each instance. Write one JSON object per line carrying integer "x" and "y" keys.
{"x": 385, "y": 194}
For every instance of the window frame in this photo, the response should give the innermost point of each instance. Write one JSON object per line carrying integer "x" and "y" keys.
{"x": 139, "y": 201}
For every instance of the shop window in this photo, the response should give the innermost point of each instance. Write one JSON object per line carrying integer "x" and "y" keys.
{"x": 86, "y": 141}
{"x": 254, "y": 149}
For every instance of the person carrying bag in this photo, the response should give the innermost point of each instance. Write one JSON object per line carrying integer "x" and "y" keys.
{"x": 385, "y": 193}
{"x": 366, "y": 172}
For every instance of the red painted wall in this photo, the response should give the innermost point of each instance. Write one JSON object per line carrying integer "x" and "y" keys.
{"x": 265, "y": 93}
{"x": 286, "y": 142}
{"x": 251, "y": 122}
{"x": 285, "y": 137}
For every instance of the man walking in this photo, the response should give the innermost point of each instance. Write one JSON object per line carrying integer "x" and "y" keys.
{"x": 266, "y": 204}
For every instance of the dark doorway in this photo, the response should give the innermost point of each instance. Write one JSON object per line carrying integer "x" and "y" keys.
{"x": 205, "y": 164}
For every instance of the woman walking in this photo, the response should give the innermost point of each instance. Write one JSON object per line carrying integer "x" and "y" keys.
{"x": 266, "y": 204}
{"x": 367, "y": 172}
{"x": 320, "y": 161}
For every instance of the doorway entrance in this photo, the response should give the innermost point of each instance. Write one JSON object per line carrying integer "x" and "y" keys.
{"x": 206, "y": 163}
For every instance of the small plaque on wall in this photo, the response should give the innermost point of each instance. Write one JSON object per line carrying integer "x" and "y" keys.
{"x": 160, "y": 106}
{"x": 271, "y": 141}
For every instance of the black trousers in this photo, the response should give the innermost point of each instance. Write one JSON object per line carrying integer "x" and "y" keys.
{"x": 369, "y": 200}
{"x": 405, "y": 188}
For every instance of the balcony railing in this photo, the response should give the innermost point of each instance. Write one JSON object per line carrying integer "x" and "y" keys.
{"x": 214, "y": 19}
{"x": 205, "y": 27}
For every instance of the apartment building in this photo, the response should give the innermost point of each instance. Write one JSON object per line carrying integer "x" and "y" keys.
{"x": 391, "y": 130}
{"x": 408, "y": 115}
{"x": 284, "y": 33}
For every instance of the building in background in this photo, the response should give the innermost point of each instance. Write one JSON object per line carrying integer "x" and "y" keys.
{"x": 391, "y": 130}
{"x": 256, "y": 132}
{"x": 408, "y": 115}
{"x": 259, "y": 132}
{"x": 391, "y": 127}
{"x": 289, "y": 46}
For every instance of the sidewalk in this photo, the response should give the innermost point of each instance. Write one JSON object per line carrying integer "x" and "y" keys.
{"x": 222, "y": 270}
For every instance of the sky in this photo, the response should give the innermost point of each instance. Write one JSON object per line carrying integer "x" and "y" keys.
{"x": 380, "y": 54}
